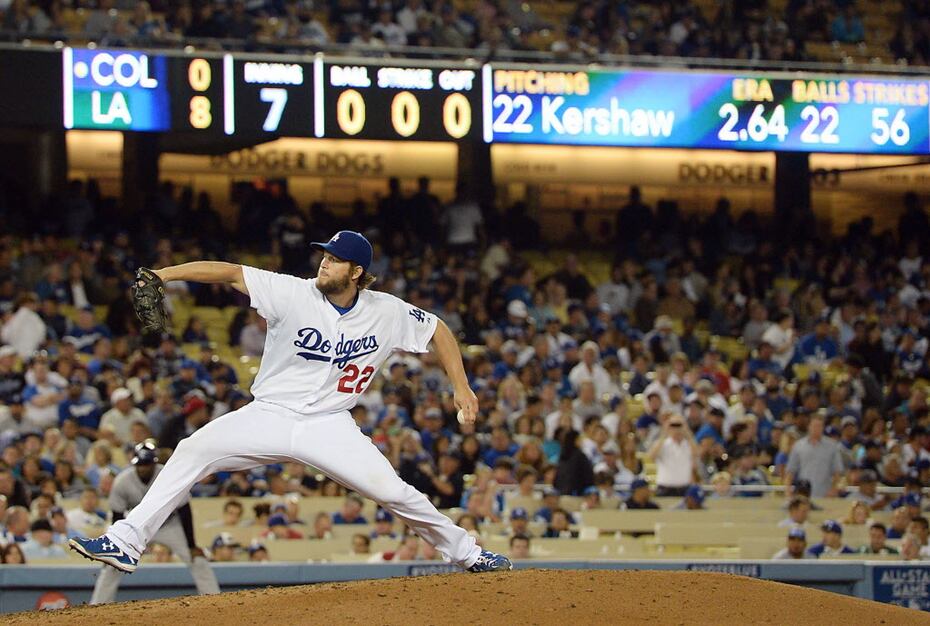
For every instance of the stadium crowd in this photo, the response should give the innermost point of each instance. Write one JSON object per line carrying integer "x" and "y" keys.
{"x": 723, "y": 352}
{"x": 745, "y": 29}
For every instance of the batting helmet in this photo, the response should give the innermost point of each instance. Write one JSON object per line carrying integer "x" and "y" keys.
{"x": 145, "y": 454}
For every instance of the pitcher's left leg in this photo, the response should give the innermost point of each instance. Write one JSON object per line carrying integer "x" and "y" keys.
{"x": 335, "y": 445}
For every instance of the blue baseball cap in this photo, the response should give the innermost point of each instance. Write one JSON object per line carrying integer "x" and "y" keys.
{"x": 832, "y": 526}
{"x": 592, "y": 490}
{"x": 348, "y": 245}
{"x": 519, "y": 513}
{"x": 638, "y": 483}
{"x": 797, "y": 533}
{"x": 277, "y": 520}
{"x": 224, "y": 540}
{"x": 695, "y": 493}
{"x": 383, "y": 516}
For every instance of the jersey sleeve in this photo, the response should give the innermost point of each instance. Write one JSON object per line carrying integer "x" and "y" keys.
{"x": 270, "y": 292}
{"x": 415, "y": 328}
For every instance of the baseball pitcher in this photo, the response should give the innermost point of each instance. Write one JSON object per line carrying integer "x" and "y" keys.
{"x": 326, "y": 339}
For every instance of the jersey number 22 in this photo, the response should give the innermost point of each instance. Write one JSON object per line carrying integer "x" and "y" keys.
{"x": 347, "y": 383}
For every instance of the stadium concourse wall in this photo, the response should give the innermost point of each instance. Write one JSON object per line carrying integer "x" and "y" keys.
{"x": 24, "y": 588}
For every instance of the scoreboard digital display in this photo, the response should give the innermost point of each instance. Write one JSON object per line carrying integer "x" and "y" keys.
{"x": 708, "y": 110}
{"x": 266, "y": 96}
{"x": 115, "y": 90}
{"x": 400, "y": 102}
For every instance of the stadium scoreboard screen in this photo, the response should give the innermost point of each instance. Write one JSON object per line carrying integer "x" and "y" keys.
{"x": 709, "y": 110}
{"x": 256, "y": 96}
{"x": 400, "y": 102}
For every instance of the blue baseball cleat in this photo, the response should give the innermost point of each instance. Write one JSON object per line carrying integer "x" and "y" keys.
{"x": 490, "y": 562}
{"x": 105, "y": 551}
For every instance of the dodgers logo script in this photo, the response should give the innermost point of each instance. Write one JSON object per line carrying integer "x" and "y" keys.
{"x": 315, "y": 348}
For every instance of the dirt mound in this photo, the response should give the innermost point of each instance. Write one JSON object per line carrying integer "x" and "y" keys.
{"x": 522, "y": 597}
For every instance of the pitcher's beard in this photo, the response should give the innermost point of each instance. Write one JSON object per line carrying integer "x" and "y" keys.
{"x": 332, "y": 285}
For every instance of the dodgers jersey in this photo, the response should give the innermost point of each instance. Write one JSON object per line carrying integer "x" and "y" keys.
{"x": 318, "y": 361}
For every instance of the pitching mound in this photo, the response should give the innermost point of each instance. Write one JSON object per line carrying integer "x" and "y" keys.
{"x": 522, "y": 597}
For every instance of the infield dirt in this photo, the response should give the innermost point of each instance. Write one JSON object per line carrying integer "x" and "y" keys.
{"x": 563, "y": 597}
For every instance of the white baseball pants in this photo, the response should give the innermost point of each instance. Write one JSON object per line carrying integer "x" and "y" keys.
{"x": 261, "y": 433}
{"x": 172, "y": 535}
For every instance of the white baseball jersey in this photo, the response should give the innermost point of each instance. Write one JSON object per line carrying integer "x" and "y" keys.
{"x": 317, "y": 360}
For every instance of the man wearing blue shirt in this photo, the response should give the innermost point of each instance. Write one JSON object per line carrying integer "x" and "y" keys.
{"x": 86, "y": 331}
{"x": 818, "y": 348}
{"x": 351, "y": 512}
{"x": 501, "y": 445}
{"x": 78, "y": 407}
{"x": 832, "y": 543}
{"x": 712, "y": 427}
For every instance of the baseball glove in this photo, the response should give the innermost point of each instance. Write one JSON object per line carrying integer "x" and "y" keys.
{"x": 148, "y": 299}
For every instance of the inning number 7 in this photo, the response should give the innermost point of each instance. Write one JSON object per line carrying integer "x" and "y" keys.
{"x": 277, "y": 98}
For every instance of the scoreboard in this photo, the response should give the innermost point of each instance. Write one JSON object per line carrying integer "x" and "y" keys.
{"x": 734, "y": 111}
{"x": 400, "y": 102}
{"x": 265, "y": 96}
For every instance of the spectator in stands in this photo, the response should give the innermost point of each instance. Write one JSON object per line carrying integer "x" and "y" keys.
{"x": 119, "y": 419}
{"x": 796, "y": 547}
{"x": 900, "y": 519}
{"x": 817, "y": 459}
{"x": 86, "y": 331}
{"x": 279, "y": 528}
{"x": 560, "y": 526}
{"x": 258, "y": 552}
{"x": 462, "y": 218}
{"x": 322, "y": 526}
{"x": 858, "y": 515}
{"x": 746, "y": 471}
{"x": 868, "y": 491}
{"x": 223, "y": 548}
{"x": 590, "y": 370}
{"x": 193, "y": 416}
{"x": 798, "y": 511}
{"x": 387, "y": 30}
{"x": 674, "y": 453}
{"x": 24, "y": 330}
{"x": 910, "y": 548}
{"x": 723, "y": 486}
{"x": 161, "y": 553}
{"x": 384, "y": 525}
{"x": 832, "y": 542}
{"x": 847, "y": 26}
{"x": 574, "y": 472}
{"x": 501, "y": 446}
{"x": 640, "y": 496}
{"x": 817, "y": 348}
{"x": 42, "y": 396}
{"x": 693, "y": 499}
{"x": 16, "y": 524}
{"x": 520, "y": 547}
{"x": 448, "y": 481}
{"x": 351, "y": 512}
{"x": 920, "y": 528}
{"x": 232, "y": 515}
{"x": 87, "y": 518}
{"x": 361, "y": 544}
{"x": 252, "y": 337}
{"x": 40, "y": 545}
{"x": 12, "y": 554}
{"x": 877, "y": 538}
{"x": 63, "y": 532}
